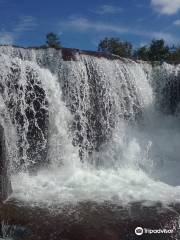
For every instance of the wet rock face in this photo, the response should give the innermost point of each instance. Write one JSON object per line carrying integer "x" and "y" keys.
{"x": 88, "y": 81}
{"x": 171, "y": 95}
{"x": 92, "y": 110}
{"x": 25, "y": 99}
{"x": 166, "y": 88}
{"x": 90, "y": 221}
{"x": 98, "y": 93}
{"x": 5, "y": 185}
{"x": 36, "y": 113}
{"x": 93, "y": 85}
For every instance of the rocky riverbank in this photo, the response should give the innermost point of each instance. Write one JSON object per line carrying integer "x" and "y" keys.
{"x": 89, "y": 221}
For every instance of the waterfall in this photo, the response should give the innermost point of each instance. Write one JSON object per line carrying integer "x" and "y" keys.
{"x": 25, "y": 101}
{"x": 83, "y": 126}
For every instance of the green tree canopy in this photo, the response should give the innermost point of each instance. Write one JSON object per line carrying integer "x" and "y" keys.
{"x": 158, "y": 51}
{"x": 115, "y": 46}
{"x": 174, "y": 54}
{"x": 142, "y": 53}
{"x": 53, "y": 40}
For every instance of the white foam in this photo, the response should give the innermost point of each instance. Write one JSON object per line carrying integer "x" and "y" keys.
{"x": 139, "y": 162}
{"x": 122, "y": 185}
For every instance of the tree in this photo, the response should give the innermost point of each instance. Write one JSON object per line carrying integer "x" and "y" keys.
{"x": 53, "y": 40}
{"x": 115, "y": 46}
{"x": 174, "y": 54}
{"x": 158, "y": 51}
{"x": 142, "y": 53}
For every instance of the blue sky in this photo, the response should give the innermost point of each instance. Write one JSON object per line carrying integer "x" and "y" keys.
{"x": 82, "y": 23}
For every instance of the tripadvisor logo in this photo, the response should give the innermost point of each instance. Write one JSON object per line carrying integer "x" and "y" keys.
{"x": 139, "y": 231}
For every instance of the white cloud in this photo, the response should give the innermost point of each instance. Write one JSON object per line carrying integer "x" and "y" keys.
{"x": 108, "y": 9}
{"x": 140, "y": 5}
{"x": 168, "y": 37}
{"x": 85, "y": 25}
{"x": 177, "y": 22}
{"x": 167, "y": 7}
{"x": 6, "y": 38}
{"x": 142, "y": 44}
{"x": 26, "y": 23}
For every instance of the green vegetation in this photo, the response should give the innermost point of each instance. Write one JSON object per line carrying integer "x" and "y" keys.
{"x": 53, "y": 40}
{"x": 157, "y": 50}
{"x": 142, "y": 53}
{"x": 175, "y": 54}
{"x": 115, "y": 46}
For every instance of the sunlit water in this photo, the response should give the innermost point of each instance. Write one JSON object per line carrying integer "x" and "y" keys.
{"x": 139, "y": 162}
{"x": 142, "y": 168}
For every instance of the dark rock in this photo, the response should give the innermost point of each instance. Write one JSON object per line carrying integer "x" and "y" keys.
{"x": 171, "y": 95}
{"x": 5, "y": 184}
{"x": 28, "y": 107}
{"x": 68, "y": 54}
{"x": 92, "y": 221}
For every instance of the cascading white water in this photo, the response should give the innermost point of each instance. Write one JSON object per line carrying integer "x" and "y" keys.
{"x": 25, "y": 105}
{"x": 106, "y": 112}
{"x": 61, "y": 152}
